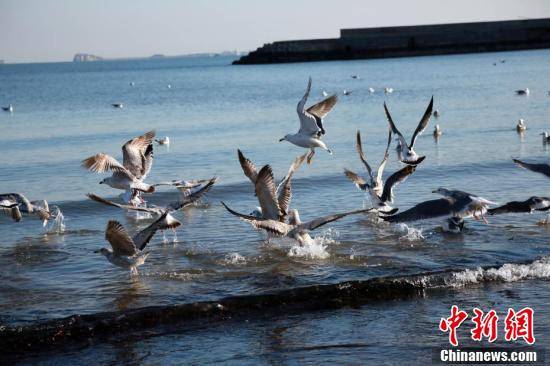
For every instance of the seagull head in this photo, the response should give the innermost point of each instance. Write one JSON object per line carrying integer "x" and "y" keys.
{"x": 284, "y": 138}
{"x": 441, "y": 191}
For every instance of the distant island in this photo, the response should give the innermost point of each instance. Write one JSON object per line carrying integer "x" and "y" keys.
{"x": 84, "y": 57}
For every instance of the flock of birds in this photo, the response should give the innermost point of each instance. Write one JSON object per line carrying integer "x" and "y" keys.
{"x": 274, "y": 214}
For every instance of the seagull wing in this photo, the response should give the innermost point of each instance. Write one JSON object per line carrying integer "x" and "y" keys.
{"x": 249, "y": 169}
{"x": 119, "y": 239}
{"x": 267, "y": 195}
{"x": 423, "y": 122}
{"x": 359, "y": 182}
{"x": 100, "y": 163}
{"x": 124, "y": 207}
{"x": 393, "y": 128}
{"x": 284, "y": 190}
{"x": 133, "y": 154}
{"x": 314, "y": 224}
{"x": 165, "y": 221}
{"x": 272, "y": 226}
{"x": 193, "y": 197}
{"x": 382, "y": 166}
{"x": 424, "y": 210}
{"x": 321, "y": 109}
{"x": 12, "y": 211}
{"x": 359, "y": 148}
{"x": 308, "y": 122}
{"x": 393, "y": 180}
{"x": 511, "y": 207}
{"x": 537, "y": 168}
{"x": 21, "y": 200}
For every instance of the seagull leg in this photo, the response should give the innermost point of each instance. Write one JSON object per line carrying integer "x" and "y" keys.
{"x": 310, "y": 155}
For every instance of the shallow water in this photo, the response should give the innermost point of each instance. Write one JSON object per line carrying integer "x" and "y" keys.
{"x": 63, "y": 115}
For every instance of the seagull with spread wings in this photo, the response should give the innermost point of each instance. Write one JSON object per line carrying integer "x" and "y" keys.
{"x": 137, "y": 160}
{"x": 14, "y": 204}
{"x": 127, "y": 252}
{"x": 407, "y": 154}
{"x": 274, "y": 200}
{"x": 295, "y": 228}
{"x": 381, "y": 195}
{"x": 455, "y": 206}
{"x": 311, "y": 124}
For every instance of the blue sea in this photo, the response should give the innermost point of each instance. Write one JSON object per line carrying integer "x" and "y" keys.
{"x": 63, "y": 114}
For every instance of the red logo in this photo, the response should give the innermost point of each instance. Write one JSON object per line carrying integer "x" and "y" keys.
{"x": 486, "y": 326}
{"x": 452, "y": 323}
{"x": 520, "y": 325}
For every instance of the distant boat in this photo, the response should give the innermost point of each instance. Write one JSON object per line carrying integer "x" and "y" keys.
{"x": 118, "y": 105}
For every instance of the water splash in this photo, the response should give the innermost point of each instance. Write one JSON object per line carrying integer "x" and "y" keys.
{"x": 57, "y": 226}
{"x": 311, "y": 248}
{"x": 410, "y": 233}
{"x": 234, "y": 259}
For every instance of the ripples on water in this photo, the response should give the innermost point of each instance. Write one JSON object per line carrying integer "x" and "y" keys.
{"x": 63, "y": 114}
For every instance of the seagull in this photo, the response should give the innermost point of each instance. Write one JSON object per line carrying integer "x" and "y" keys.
{"x": 531, "y": 204}
{"x": 371, "y": 90}
{"x": 436, "y": 113}
{"x": 388, "y": 90}
{"x": 521, "y": 127}
{"x": 295, "y": 228}
{"x": 9, "y": 108}
{"x": 537, "y": 168}
{"x": 137, "y": 161}
{"x": 311, "y": 124}
{"x": 455, "y": 205}
{"x": 132, "y": 83}
{"x": 545, "y": 137}
{"x": 169, "y": 86}
{"x": 347, "y": 92}
{"x": 380, "y": 194}
{"x": 355, "y": 76}
{"x": 128, "y": 251}
{"x": 274, "y": 200}
{"x": 437, "y": 132}
{"x": 407, "y": 154}
{"x": 118, "y": 105}
{"x": 163, "y": 141}
{"x": 14, "y": 204}
{"x": 160, "y": 210}
{"x": 522, "y": 91}
{"x": 325, "y": 94}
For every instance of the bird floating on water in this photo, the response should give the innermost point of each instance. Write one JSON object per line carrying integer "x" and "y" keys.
{"x": 347, "y": 92}
{"x": 406, "y": 153}
{"x": 437, "y": 132}
{"x": 436, "y": 113}
{"x": 355, "y": 77}
{"x": 545, "y": 137}
{"x": 311, "y": 124}
{"x": 381, "y": 195}
{"x": 523, "y": 91}
{"x": 163, "y": 141}
{"x": 521, "y": 127}
{"x": 137, "y": 155}
{"x": 118, "y": 105}
{"x": 371, "y": 90}
{"x": 8, "y": 109}
{"x": 388, "y": 90}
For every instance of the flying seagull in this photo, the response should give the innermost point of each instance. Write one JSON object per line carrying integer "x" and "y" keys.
{"x": 537, "y": 168}
{"x": 137, "y": 155}
{"x": 380, "y": 194}
{"x": 311, "y": 124}
{"x": 455, "y": 206}
{"x": 274, "y": 200}
{"x": 407, "y": 154}
{"x": 528, "y": 206}
{"x": 14, "y": 204}
{"x": 295, "y": 229}
{"x": 127, "y": 252}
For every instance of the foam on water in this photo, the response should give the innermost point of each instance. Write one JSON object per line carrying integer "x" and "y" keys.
{"x": 234, "y": 259}
{"x": 410, "y": 233}
{"x": 313, "y": 248}
{"x": 57, "y": 226}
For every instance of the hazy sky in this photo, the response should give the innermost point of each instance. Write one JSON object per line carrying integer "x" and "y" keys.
{"x": 54, "y": 30}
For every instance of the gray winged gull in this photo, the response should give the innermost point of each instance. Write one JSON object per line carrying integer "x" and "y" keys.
{"x": 163, "y": 141}
{"x": 14, "y": 204}
{"x": 545, "y": 137}
{"x": 311, "y": 124}
{"x": 294, "y": 229}
{"x": 118, "y": 105}
{"x": 407, "y": 153}
{"x": 522, "y": 91}
{"x": 437, "y": 132}
{"x": 521, "y": 126}
{"x": 381, "y": 195}
{"x": 137, "y": 162}
{"x": 127, "y": 252}
{"x": 534, "y": 203}
{"x": 274, "y": 200}
{"x": 537, "y": 168}
{"x": 455, "y": 206}
{"x": 9, "y": 108}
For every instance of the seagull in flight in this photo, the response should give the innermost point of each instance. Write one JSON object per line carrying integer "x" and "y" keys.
{"x": 537, "y": 168}
{"x": 14, "y": 204}
{"x": 407, "y": 154}
{"x": 381, "y": 195}
{"x": 127, "y": 252}
{"x": 137, "y": 160}
{"x": 311, "y": 124}
{"x": 295, "y": 228}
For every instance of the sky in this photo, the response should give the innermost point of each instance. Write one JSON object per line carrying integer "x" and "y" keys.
{"x": 54, "y": 30}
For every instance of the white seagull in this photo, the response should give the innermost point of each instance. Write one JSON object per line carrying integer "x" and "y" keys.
{"x": 523, "y": 91}
{"x": 311, "y": 124}
{"x": 406, "y": 154}
{"x": 437, "y": 132}
{"x": 137, "y": 161}
{"x": 521, "y": 127}
{"x": 118, "y": 105}
{"x": 9, "y": 108}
